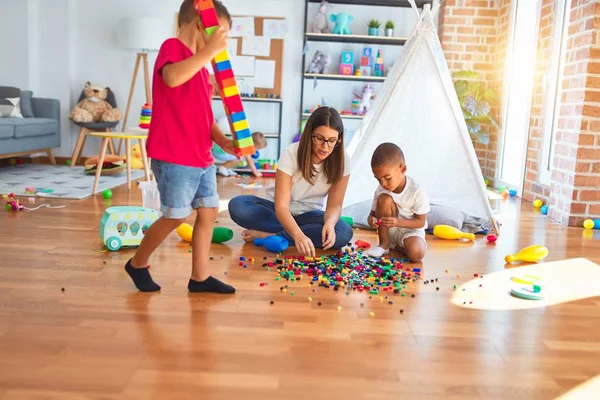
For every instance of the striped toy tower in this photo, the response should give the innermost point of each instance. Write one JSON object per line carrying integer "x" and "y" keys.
{"x": 227, "y": 84}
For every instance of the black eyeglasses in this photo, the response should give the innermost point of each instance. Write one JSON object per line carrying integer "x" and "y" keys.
{"x": 318, "y": 139}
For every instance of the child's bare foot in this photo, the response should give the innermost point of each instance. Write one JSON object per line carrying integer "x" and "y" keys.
{"x": 250, "y": 234}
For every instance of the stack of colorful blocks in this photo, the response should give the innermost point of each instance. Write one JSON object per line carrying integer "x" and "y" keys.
{"x": 145, "y": 116}
{"x": 230, "y": 94}
{"x": 366, "y": 62}
{"x": 379, "y": 66}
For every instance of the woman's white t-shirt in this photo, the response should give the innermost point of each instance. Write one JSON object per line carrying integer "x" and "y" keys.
{"x": 304, "y": 197}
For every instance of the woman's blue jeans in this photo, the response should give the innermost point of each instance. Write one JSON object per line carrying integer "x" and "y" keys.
{"x": 252, "y": 212}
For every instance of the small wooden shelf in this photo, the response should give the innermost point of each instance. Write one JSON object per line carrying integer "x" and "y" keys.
{"x": 382, "y": 3}
{"x": 330, "y": 37}
{"x": 344, "y": 116}
{"x": 331, "y": 77}
{"x": 255, "y": 99}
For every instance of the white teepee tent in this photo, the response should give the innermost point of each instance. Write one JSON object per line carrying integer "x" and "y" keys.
{"x": 417, "y": 109}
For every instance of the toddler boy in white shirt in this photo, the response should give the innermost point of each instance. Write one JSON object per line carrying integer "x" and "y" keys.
{"x": 399, "y": 207}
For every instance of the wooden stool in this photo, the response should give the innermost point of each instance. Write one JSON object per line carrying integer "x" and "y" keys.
{"x": 107, "y": 138}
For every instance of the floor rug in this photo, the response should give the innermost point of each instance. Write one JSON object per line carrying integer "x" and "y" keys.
{"x": 64, "y": 182}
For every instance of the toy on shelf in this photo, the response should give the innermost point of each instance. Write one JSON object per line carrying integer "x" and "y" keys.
{"x": 379, "y": 66}
{"x": 537, "y": 203}
{"x": 529, "y": 254}
{"x": 347, "y": 63}
{"x": 320, "y": 22}
{"x": 228, "y": 88}
{"x": 365, "y": 99}
{"x": 451, "y": 233}
{"x": 355, "y": 108}
{"x": 220, "y": 234}
{"x": 274, "y": 244}
{"x": 544, "y": 209}
{"x": 319, "y": 63}
{"x": 342, "y": 23}
{"x": 366, "y": 62}
{"x": 145, "y": 116}
{"x": 125, "y": 225}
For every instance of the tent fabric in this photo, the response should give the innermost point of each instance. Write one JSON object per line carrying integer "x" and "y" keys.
{"x": 417, "y": 109}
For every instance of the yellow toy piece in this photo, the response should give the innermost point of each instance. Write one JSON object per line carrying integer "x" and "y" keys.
{"x": 537, "y": 203}
{"x": 451, "y": 233}
{"x": 136, "y": 157}
{"x": 185, "y": 232}
{"x": 531, "y": 254}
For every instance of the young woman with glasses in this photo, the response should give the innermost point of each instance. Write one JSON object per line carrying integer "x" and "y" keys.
{"x": 305, "y": 204}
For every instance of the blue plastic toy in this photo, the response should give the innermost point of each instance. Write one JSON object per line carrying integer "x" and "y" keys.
{"x": 342, "y": 23}
{"x": 512, "y": 192}
{"x": 274, "y": 244}
{"x": 544, "y": 210}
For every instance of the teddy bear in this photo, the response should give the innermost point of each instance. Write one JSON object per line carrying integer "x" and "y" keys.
{"x": 320, "y": 22}
{"x": 94, "y": 107}
{"x": 319, "y": 63}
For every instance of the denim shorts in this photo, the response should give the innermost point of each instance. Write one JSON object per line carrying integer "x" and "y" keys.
{"x": 185, "y": 188}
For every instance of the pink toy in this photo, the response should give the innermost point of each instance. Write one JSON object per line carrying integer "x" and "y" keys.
{"x": 492, "y": 238}
{"x": 13, "y": 203}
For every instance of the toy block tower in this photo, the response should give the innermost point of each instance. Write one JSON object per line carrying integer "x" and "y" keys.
{"x": 379, "y": 67}
{"x": 230, "y": 93}
{"x": 366, "y": 62}
{"x": 347, "y": 64}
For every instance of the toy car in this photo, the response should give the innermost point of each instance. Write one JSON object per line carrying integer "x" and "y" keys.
{"x": 125, "y": 225}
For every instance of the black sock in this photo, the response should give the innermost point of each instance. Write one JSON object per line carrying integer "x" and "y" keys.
{"x": 141, "y": 278}
{"x": 210, "y": 285}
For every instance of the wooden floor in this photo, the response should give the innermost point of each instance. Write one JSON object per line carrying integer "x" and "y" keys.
{"x": 100, "y": 339}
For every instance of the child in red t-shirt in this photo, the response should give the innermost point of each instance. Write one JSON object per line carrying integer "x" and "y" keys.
{"x": 180, "y": 140}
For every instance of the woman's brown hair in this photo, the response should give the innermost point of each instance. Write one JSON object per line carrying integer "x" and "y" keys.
{"x": 333, "y": 166}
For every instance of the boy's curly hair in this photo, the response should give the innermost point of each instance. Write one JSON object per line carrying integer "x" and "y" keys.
{"x": 387, "y": 153}
{"x": 187, "y": 12}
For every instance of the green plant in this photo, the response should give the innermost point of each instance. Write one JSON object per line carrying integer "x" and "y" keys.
{"x": 374, "y": 23}
{"x": 477, "y": 103}
{"x": 389, "y": 25}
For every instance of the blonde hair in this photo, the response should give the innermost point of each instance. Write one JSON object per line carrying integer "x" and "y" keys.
{"x": 260, "y": 142}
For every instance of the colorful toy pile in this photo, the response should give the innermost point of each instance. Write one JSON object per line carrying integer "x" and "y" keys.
{"x": 230, "y": 93}
{"x": 352, "y": 270}
{"x": 145, "y": 116}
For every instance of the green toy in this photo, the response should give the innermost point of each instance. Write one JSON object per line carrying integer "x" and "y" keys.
{"x": 221, "y": 234}
{"x": 348, "y": 220}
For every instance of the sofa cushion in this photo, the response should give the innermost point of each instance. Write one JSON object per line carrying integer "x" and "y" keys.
{"x": 7, "y": 128}
{"x": 30, "y": 127}
{"x": 10, "y": 102}
{"x": 26, "y": 107}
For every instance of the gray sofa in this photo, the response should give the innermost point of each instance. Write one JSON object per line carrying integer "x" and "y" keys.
{"x": 38, "y": 130}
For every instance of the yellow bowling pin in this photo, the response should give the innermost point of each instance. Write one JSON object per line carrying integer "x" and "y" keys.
{"x": 533, "y": 253}
{"x": 450, "y": 232}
